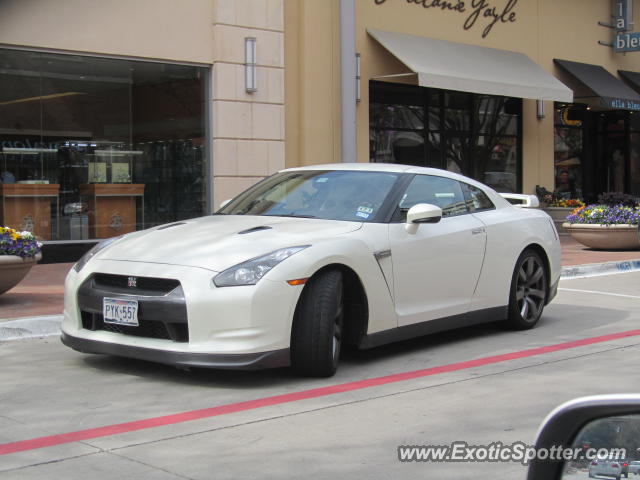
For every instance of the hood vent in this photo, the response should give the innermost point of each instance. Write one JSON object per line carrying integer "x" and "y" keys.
{"x": 172, "y": 225}
{"x": 255, "y": 229}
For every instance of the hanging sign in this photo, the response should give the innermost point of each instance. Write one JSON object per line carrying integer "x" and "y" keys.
{"x": 625, "y": 40}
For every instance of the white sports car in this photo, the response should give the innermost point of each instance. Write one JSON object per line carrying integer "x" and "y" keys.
{"x": 310, "y": 259}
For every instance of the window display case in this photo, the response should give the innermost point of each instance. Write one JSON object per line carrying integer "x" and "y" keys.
{"x": 113, "y": 208}
{"x": 29, "y": 207}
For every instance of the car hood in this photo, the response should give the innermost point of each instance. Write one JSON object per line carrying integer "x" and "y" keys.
{"x": 218, "y": 242}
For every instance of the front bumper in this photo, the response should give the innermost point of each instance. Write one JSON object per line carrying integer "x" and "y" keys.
{"x": 193, "y": 323}
{"x": 247, "y": 361}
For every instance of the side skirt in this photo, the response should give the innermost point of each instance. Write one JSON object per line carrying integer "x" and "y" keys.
{"x": 434, "y": 326}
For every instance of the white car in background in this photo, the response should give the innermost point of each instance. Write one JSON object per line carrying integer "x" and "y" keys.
{"x": 634, "y": 467}
{"x": 310, "y": 259}
{"x": 605, "y": 468}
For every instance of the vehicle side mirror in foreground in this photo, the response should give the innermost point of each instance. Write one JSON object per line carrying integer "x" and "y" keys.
{"x": 422, "y": 213}
{"x": 591, "y": 437}
{"x": 224, "y": 203}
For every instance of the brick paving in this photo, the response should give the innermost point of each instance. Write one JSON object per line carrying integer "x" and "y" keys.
{"x": 41, "y": 291}
{"x": 574, "y": 253}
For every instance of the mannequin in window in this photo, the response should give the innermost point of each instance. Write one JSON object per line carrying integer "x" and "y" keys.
{"x": 565, "y": 186}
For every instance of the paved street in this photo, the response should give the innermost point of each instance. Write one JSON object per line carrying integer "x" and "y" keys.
{"x": 351, "y": 431}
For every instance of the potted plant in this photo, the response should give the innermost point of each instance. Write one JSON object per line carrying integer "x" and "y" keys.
{"x": 611, "y": 224}
{"x": 19, "y": 251}
{"x": 557, "y": 207}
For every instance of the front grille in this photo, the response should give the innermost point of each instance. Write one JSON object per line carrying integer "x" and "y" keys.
{"x": 178, "y": 332}
{"x": 146, "y": 285}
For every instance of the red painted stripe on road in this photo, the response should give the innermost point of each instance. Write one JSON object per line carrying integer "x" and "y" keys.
{"x": 119, "y": 428}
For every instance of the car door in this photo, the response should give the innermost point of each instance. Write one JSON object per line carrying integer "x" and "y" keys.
{"x": 435, "y": 269}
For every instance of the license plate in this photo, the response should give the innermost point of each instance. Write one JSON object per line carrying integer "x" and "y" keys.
{"x": 120, "y": 312}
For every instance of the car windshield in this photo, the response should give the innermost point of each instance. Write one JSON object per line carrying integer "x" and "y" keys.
{"x": 333, "y": 195}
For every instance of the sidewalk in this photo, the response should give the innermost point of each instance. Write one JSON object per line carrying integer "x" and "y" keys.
{"x": 41, "y": 291}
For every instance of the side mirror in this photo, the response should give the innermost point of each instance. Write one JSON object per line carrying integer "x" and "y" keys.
{"x": 224, "y": 203}
{"x": 422, "y": 213}
{"x": 591, "y": 436}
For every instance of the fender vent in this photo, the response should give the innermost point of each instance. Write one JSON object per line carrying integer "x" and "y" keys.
{"x": 172, "y": 225}
{"x": 255, "y": 229}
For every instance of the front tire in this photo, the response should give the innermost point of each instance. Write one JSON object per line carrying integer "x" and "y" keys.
{"x": 528, "y": 292}
{"x": 316, "y": 337}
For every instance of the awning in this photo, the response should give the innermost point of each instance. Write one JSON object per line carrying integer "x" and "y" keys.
{"x": 632, "y": 78}
{"x": 470, "y": 68}
{"x": 596, "y": 86}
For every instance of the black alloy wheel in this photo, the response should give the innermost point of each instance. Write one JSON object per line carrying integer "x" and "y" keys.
{"x": 528, "y": 291}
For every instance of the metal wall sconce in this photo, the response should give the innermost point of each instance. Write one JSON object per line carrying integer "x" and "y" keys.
{"x": 250, "y": 69}
{"x": 540, "y": 108}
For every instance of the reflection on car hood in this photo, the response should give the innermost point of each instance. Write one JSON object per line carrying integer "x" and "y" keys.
{"x": 215, "y": 243}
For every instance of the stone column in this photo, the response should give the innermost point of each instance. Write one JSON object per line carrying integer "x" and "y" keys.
{"x": 248, "y": 128}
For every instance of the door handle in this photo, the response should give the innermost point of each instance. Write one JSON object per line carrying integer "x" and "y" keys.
{"x": 476, "y": 231}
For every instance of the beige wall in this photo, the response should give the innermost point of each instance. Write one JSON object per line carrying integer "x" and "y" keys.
{"x": 543, "y": 30}
{"x": 312, "y": 79}
{"x": 161, "y": 29}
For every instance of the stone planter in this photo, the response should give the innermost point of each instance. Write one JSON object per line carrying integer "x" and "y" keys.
{"x": 605, "y": 237}
{"x": 559, "y": 216}
{"x": 13, "y": 269}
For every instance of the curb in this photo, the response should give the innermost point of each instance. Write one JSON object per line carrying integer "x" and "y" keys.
{"x": 595, "y": 269}
{"x": 31, "y": 327}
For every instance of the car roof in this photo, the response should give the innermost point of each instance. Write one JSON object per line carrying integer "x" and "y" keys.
{"x": 387, "y": 167}
{"x": 400, "y": 168}
{"x": 373, "y": 167}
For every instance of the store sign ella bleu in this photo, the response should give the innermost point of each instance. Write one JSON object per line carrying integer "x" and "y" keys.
{"x": 485, "y": 13}
{"x": 625, "y": 40}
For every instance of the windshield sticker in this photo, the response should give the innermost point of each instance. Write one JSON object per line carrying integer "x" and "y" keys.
{"x": 364, "y": 209}
{"x": 362, "y": 214}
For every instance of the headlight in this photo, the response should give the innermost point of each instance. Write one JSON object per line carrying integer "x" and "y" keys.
{"x": 91, "y": 253}
{"x": 251, "y": 271}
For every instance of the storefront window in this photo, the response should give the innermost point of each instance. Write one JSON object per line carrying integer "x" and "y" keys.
{"x": 634, "y": 155}
{"x": 568, "y": 150}
{"x": 93, "y": 148}
{"x": 476, "y": 135}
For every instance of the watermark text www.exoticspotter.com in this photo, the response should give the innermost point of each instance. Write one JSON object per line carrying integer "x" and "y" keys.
{"x": 498, "y": 452}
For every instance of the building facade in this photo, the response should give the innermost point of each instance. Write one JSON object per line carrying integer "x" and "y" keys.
{"x": 413, "y": 107}
{"x": 121, "y": 115}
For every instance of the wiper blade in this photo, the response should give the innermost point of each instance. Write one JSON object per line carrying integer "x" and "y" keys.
{"x": 289, "y": 215}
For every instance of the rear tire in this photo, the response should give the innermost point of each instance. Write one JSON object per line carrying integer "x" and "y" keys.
{"x": 316, "y": 337}
{"x": 528, "y": 292}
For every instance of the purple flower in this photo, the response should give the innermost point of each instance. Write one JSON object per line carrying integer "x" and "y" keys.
{"x": 606, "y": 215}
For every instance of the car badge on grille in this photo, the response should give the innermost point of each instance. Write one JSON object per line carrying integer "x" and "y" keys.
{"x": 132, "y": 282}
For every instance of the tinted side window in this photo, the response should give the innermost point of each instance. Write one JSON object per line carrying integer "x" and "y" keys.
{"x": 440, "y": 191}
{"x": 478, "y": 200}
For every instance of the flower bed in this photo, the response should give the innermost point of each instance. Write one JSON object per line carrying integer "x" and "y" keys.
{"x": 21, "y": 244}
{"x": 606, "y": 227}
{"x": 606, "y": 215}
{"x": 19, "y": 251}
